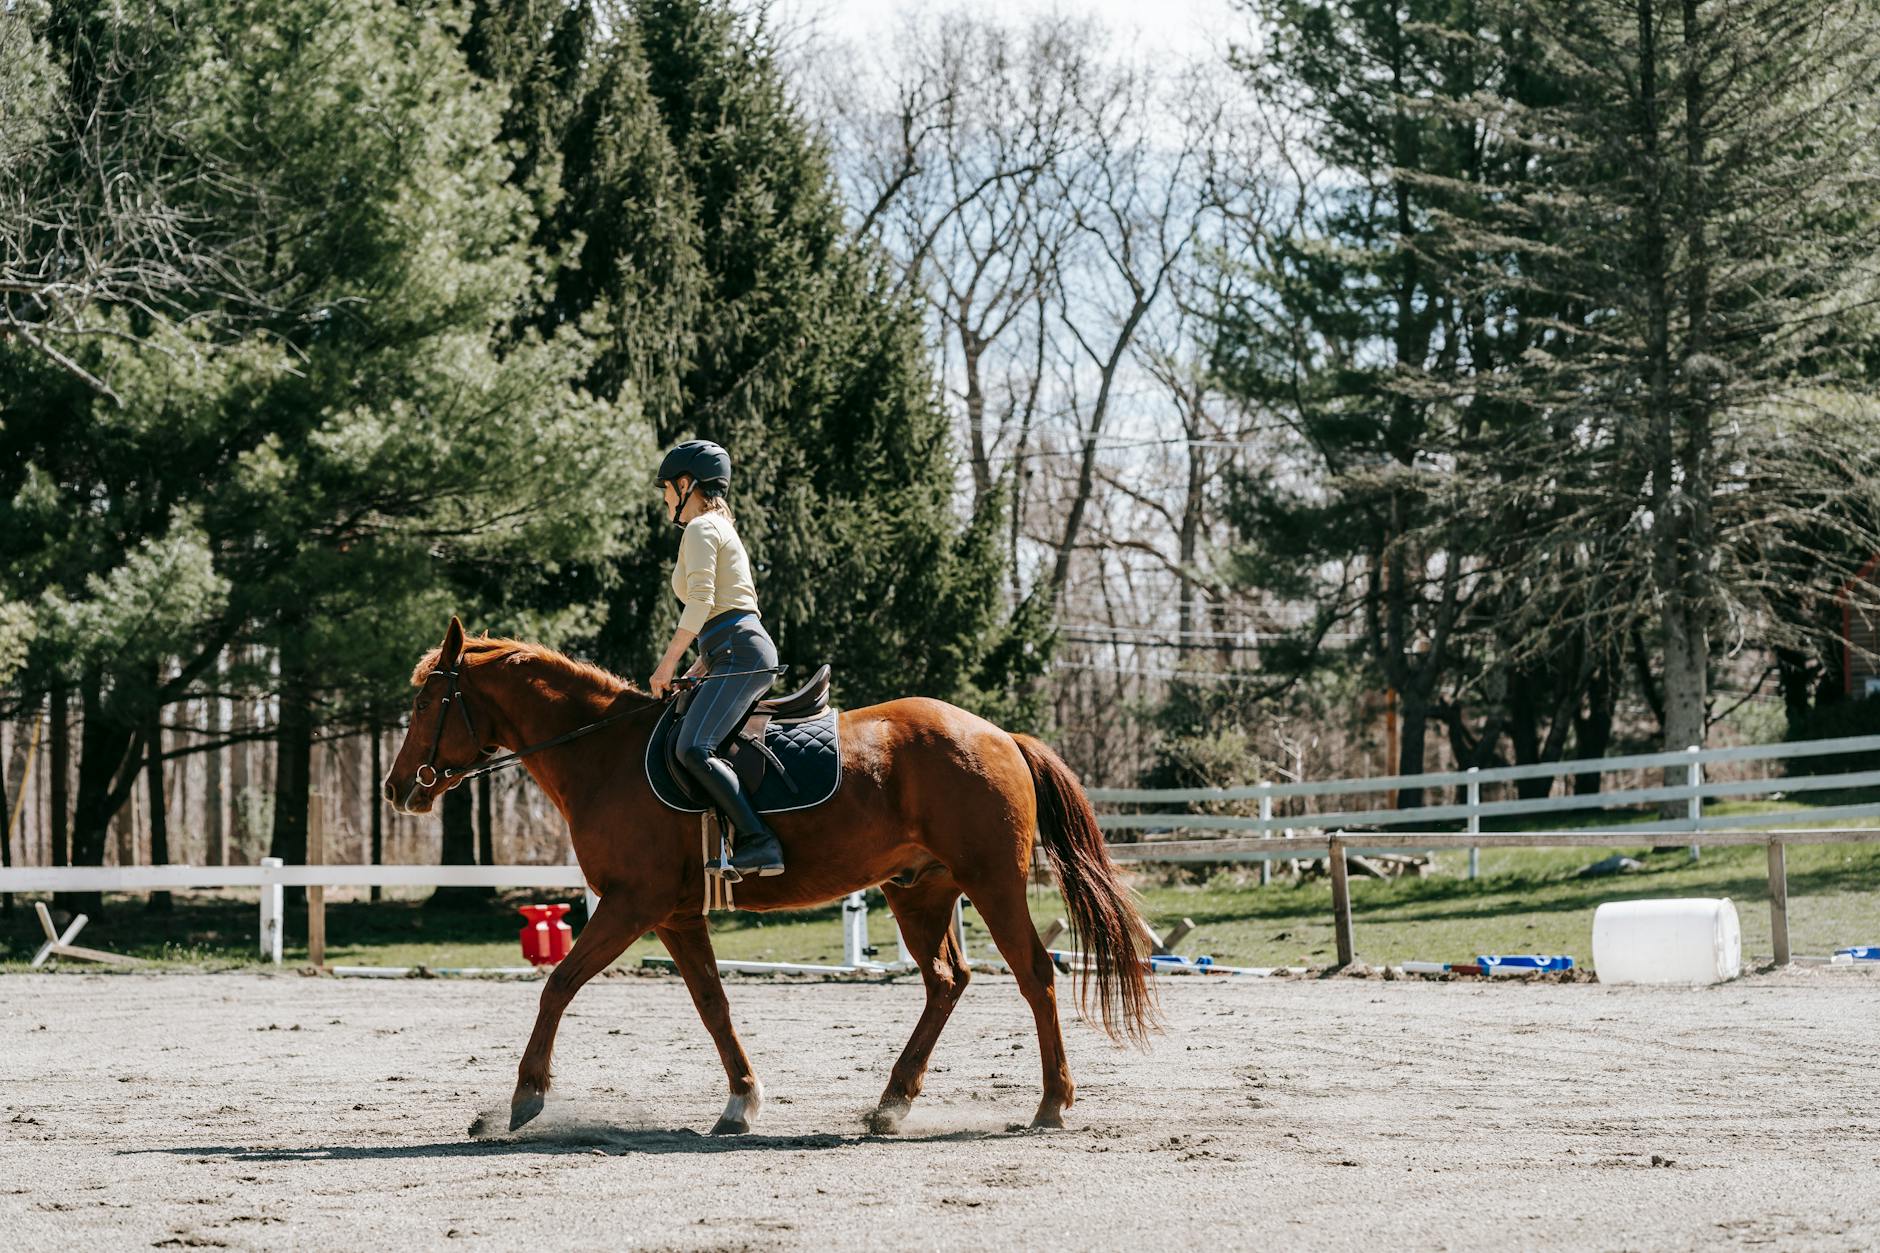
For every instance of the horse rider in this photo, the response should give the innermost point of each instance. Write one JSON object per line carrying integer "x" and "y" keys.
{"x": 713, "y": 582}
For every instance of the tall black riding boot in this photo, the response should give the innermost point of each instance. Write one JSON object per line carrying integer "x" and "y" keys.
{"x": 758, "y": 851}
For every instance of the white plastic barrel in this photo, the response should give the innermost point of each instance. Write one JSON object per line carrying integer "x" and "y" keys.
{"x": 1689, "y": 941}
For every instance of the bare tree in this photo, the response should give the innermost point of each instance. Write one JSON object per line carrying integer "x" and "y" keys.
{"x": 955, "y": 156}
{"x": 113, "y": 207}
{"x": 1136, "y": 200}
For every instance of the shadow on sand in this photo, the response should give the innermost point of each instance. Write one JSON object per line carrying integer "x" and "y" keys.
{"x": 611, "y": 1141}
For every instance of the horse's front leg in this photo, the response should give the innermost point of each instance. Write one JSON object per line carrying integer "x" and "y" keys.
{"x": 690, "y": 943}
{"x": 618, "y": 920}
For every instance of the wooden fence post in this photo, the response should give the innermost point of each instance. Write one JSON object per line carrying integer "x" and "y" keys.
{"x": 1341, "y": 900}
{"x": 1779, "y": 901}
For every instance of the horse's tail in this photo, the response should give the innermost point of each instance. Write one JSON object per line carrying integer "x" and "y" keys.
{"x": 1103, "y": 918}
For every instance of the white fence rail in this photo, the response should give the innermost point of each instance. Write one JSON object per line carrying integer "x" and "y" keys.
{"x": 272, "y": 876}
{"x": 1693, "y": 791}
{"x": 1245, "y": 837}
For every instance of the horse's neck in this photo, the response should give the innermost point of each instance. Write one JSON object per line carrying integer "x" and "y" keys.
{"x": 540, "y": 702}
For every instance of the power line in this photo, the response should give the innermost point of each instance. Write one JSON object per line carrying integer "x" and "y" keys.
{"x": 1159, "y": 672}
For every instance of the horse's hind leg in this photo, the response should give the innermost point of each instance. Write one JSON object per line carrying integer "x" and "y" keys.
{"x": 690, "y": 944}
{"x": 999, "y": 898}
{"x": 925, "y": 913}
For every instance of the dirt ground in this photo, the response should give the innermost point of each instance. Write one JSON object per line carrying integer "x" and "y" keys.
{"x": 245, "y": 1111}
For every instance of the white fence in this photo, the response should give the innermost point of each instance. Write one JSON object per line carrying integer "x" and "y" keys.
{"x": 1691, "y": 794}
{"x": 273, "y": 875}
{"x": 1243, "y": 837}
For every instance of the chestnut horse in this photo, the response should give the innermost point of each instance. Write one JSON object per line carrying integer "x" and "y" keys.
{"x": 931, "y": 795}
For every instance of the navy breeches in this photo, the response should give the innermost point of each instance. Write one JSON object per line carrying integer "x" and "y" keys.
{"x": 718, "y": 706}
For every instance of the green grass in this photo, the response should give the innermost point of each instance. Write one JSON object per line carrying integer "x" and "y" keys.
{"x": 1526, "y": 901}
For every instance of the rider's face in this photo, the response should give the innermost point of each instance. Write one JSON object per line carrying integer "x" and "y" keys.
{"x": 671, "y": 492}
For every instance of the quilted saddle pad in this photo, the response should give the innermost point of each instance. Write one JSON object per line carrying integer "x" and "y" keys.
{"x": 807, "y": 747}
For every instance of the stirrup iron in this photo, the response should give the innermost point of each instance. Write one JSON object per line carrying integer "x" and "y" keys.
{"x": 723, "y": 868}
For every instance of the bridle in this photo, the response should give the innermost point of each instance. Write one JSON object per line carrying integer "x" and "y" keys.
{"x": 453, "y": 775}
{"x": 452, "y": 696}
{"x": 487, "y": 763}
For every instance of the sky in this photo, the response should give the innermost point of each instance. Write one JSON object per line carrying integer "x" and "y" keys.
{"x": 1182, "y": 27}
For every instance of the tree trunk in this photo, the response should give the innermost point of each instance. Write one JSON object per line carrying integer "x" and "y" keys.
{"x": 160, "y": 902}
{"x": 1592, "y": 735}
{"x": 1524, "y": 733}
{"x": 971, "y": 348}
{"x": 486, "y": 839}
{"x": 377, "y": 804}
{"x": 1681, "y": 633}
{"x": 458, "y": 849}
{"x": 242, "y": 781}
{"x": 6, "y": 820}
{"x": 1413, "y": 712}
{"x": 108, "y": 760}
{"x": 1795, "y": 676}
{"x": 61, "y": 770}
{"x": 214, "y": 822}
{"x": 293, "y": 761}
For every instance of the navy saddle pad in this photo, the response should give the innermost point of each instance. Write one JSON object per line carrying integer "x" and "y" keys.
{"x": 807, "y": 747}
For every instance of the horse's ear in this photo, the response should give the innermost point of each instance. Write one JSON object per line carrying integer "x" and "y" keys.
{"x": 452, "y": 652}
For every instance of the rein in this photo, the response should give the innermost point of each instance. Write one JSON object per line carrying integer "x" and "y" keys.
{"x": 457, "y": 774}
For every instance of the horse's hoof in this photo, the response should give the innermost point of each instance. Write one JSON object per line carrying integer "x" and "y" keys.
{"x": 730, "y": 1127}
{"x": 885, "y": 1120}
{"x": 524, "y": 1109}
{"x": 1048, "y": 1118}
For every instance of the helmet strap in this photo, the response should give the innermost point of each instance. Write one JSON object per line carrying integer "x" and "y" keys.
{"x": 680, "y": 507}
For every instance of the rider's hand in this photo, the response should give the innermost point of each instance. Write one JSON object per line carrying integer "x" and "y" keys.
{"x": 661, "y": 680}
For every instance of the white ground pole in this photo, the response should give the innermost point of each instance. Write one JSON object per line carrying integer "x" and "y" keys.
{"x": 271, "y": 901}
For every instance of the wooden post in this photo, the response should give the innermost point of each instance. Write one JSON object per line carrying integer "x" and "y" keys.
{"x": 1341, "y": 901}
{"x": 1779, "y": 901}
{"x": 316, "y": 893}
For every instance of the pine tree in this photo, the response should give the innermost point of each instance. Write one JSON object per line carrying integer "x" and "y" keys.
{"x": 310, "y": 483}
{"x": 1344, "y": 322}
{"x": 804, "y": 362}
{"x": 1706, "y": 217}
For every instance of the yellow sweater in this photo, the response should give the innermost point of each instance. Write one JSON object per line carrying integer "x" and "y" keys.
{"x": 713, "y": 573}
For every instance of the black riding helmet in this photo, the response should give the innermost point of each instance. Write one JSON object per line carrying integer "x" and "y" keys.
{"x": 707, "y": 464}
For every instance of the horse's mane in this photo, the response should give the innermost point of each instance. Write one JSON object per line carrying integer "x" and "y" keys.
{"x": 489, "y": 649}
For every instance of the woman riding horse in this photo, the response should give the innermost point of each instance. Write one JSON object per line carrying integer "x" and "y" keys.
{"x": 934, "y": 801}
{"x": 713, "y": 580}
